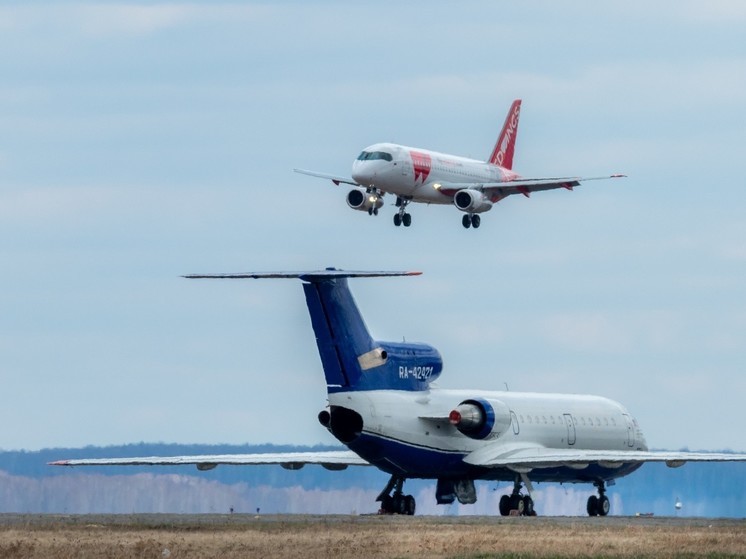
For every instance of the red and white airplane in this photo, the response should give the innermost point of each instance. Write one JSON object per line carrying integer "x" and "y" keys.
{"x": 429, "y": 177}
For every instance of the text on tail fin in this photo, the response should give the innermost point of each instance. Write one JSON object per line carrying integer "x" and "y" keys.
{"x": 502, "y": 154}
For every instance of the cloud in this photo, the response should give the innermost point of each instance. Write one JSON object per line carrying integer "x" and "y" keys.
{"x": 731, "y": 12}
{"x": 126, "y": 18}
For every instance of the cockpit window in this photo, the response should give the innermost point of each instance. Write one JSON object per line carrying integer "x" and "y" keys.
{"x": 369, "y": 155}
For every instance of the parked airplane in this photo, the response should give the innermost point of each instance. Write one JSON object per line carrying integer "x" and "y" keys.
{"x": 421, "y": 175}
{"x": 383, "y": 406}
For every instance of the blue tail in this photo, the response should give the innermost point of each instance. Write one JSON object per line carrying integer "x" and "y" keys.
{"x": 351, "y": 358}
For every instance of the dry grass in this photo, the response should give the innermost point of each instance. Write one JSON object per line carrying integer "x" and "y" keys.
{"x": 368, "y": 537}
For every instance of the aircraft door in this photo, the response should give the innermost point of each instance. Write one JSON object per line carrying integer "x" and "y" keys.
{"x": 630, "y": 431}
{"x": 514, "y": 423}
{"x": 404, "y": 167}
{"x": 570, "y": 429}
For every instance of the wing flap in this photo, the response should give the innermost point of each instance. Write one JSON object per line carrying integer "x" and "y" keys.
{"x": 291, "y": 460}
{"x": 496, "y": 456}
{"x": 521, "y": 186}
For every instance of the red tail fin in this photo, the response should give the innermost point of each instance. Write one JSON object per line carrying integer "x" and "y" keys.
{"x": 502, "y": 154}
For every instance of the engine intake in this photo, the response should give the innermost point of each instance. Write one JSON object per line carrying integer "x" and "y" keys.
{"x": 364, "y": 201}
{"x": 472, "y": 201}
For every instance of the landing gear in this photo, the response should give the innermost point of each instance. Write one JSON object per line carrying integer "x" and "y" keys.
{"x": 372, "y": 211}
{"x": 598, "y": 505}
{"x": 517, "y": 504}
{"x": 396, "y": 502}
{"x": 402, "y": 217}
{"x": 471, "y": 220}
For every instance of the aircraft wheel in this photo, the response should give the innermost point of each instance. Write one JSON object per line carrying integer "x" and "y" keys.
{"x": 528, "y": 506}
{"x": 398, "y": 504}
{"x": 406, "y": 220}
{"x": 603, "y": 505}
{"x": 475, "y": 221}
{"x": 592, "y": 506}
{"x": 397, "y": 220}
{"x": 466, "y": 221}
{"x": 505, "y": 505}
{"x": 516, "y": 503}
{"x": 409, "y": 505}
{"x": 375, "y": 211}
{"x": 370, "y": 211}
{"x": 387, "y": 505}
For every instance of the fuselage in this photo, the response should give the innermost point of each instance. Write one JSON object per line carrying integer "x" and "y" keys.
{"x": 408, "y": 433}
{"x": 419, "y": 174}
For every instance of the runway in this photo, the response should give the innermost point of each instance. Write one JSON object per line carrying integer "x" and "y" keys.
{"x": 240, "y": 535}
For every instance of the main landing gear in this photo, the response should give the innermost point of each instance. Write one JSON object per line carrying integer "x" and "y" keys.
{"x": 471, "y": 220}
{"x": 598, "y": 505}
{"x": 402, "y": 217}
{"x": 396, "y": 503}
{"x": 517, "y": 504}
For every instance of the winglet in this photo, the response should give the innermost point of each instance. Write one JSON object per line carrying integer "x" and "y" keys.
{"x": 502, "y": 153}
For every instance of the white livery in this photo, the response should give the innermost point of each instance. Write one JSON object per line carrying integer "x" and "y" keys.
{"x": 384, "y": 407}
{"x": 429, "y": 177}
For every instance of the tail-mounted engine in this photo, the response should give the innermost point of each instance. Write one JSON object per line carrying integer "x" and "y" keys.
{"x": 345, "y": 424}
{"x": 480, "y": 418}
{"x": 364, "y": 201}
{"x": 471, "y": 201}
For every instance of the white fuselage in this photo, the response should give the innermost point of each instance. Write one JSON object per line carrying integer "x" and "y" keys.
{"x": 409, "y": 431}
{"x": 419, "y": 174}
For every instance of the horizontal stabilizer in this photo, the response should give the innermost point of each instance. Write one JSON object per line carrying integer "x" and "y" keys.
{"x": 310, "y": 276}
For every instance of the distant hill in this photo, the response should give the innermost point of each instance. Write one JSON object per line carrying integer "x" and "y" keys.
{"x": 28, "y": 484}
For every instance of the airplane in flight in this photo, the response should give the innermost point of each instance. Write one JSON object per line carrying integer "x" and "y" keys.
{"x": 384, "y": 406}
{"x": 429, "y": 177}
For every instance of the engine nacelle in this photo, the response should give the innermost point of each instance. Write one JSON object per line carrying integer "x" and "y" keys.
{"x": 364, "y": 201}
{"x": 480, "y": 418}
{"x": 472, "y": 201}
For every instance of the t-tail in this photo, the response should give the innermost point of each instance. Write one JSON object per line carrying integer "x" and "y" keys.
{"x": 351, "y": 358}
{"x": 502, "y": 153}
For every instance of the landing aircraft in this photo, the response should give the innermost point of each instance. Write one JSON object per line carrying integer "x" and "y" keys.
{"x": 429, "y": 177}
{"x": 384, "y": 407}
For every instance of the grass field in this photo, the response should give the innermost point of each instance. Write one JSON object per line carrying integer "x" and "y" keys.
{"x": 311, "y": 537}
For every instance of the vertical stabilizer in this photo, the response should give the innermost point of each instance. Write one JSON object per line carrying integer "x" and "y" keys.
{"x": 502, "y": 154}
{"x": 341, "y": 334}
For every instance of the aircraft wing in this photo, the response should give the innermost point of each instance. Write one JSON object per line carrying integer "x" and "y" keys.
{"x": 331, "y": 460}
{"x": 528, "y": 458}
{"x": 334, "y": 178}
{"x": 499, "y": 190}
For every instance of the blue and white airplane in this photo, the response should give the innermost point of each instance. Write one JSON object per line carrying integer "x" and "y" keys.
{"x": 383, "y": 405}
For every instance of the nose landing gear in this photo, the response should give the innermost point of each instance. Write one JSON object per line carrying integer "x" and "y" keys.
{"x": 402, "y": 217}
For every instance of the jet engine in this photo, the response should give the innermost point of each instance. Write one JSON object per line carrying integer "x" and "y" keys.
{"x": 364, "y": 201}
{"x": 471, "y": 201}
{"x": 480, "y": 418}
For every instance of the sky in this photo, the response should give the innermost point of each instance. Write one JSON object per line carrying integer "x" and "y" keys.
{"x": 142, "y": 141}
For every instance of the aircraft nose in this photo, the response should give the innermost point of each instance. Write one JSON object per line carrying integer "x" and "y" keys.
{"x": 363, "y": 174}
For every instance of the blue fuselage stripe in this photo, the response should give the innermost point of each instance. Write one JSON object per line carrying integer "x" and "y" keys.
{"x": 417, "y": 461}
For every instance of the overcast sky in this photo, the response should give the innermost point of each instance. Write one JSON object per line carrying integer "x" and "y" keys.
{"x": 142, "y": 141}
